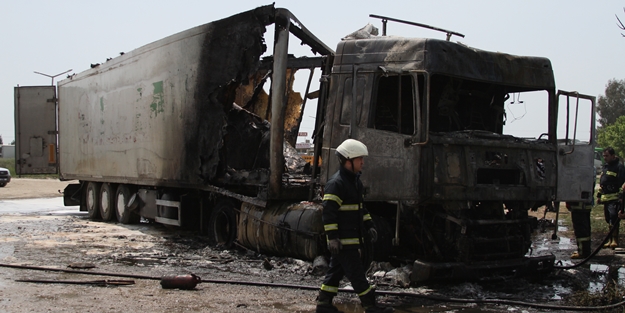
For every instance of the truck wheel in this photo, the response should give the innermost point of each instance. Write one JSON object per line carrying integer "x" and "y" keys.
{"x": 106, "y": 202}
{"x": 222, "y": 224}
{"x": 92, "y": 200}
{"x": 3, "y": 184}
{"x": 122, "y": 211}
{"x": 383, "y": 248}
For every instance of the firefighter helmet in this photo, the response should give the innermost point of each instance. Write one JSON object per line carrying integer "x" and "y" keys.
{"x": 351, "y": 149}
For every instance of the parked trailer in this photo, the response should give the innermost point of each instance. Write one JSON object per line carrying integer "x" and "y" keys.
{"x": 180, "y": 132}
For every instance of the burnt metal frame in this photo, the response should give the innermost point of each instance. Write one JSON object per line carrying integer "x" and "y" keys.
{"x": 285, "y": 23}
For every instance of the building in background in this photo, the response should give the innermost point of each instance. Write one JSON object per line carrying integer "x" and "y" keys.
{"x": 306, "y": 150}
{"x": 7, "y": 151}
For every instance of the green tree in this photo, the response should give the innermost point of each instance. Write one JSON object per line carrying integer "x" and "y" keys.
{"x": 613, "y": 135}
{"x": 611, "y": 106}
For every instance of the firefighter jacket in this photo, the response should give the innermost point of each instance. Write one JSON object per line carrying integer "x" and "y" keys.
{"x": 611, "y": 181}
{"x": 344, "y": 216}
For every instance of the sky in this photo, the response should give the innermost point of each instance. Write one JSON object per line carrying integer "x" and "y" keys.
{"x": 581, "y": 38}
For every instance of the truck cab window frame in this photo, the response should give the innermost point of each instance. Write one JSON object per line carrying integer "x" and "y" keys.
{"x": 395, "y": 103}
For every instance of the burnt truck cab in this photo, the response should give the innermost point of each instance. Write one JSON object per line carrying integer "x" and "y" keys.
{"x": 449, "y": 188}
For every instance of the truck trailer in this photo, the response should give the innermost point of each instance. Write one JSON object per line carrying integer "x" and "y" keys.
{"x": 182, "y": 132}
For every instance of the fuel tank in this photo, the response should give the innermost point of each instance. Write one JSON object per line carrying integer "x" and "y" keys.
{"x": 283, "y": 229}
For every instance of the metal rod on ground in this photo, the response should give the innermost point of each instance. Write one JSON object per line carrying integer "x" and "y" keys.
{"x": 555, "y": 228}
{"x": 76, "y": 282}
{"x": 53, "y": 269}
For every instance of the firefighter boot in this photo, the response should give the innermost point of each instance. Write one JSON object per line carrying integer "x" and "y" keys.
{"x": 609, "y": 242}
{"x": 369, "y": 304}
{"x": 583, "y": 250}
{"x": 324, "y": 303}
{"x": 614, "y": 243}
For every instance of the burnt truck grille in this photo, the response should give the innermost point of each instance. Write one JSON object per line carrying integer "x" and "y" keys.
{"x": 494, "y": 241}
{"x": 500, "y": 176}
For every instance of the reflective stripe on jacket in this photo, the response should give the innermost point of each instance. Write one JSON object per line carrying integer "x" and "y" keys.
{"x": 609, "y": 197}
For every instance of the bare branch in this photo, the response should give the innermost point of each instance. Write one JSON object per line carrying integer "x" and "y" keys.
{"x": 620, "y": 24}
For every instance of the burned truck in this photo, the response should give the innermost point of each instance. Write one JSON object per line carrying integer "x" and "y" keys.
{"x": 183, "y": 132}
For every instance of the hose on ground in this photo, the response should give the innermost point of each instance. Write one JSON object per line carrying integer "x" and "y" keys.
{"x": 589, "y": 256}
{"x": 315, "y": 288}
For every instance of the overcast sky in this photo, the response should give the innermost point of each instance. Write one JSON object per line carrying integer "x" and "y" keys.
{"x": 581, "y": 38}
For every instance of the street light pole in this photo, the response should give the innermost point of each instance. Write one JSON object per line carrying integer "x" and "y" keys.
{"x": 53, "y": 76}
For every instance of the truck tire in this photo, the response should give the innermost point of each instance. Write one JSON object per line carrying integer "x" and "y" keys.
{"x": 383, "y": 248}
{"x": 3, "y": 184}
{"x": 222, "y": 224}
{"x": 122, "y": 211}
{"x": 106, "y": 201}
{"x": 92, "y": 200}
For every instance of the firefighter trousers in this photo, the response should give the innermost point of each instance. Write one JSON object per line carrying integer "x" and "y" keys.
{"x": 347, "y": 263}
{"x": 581, "y": 228}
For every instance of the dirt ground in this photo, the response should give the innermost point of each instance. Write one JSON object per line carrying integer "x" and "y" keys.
{"x": 59, "y": 241}
{"x": 25, "y": 188}
{"x": 150, "y": 250}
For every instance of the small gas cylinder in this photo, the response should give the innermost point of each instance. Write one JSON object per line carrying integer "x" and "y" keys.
{"x": 188, "y": 281}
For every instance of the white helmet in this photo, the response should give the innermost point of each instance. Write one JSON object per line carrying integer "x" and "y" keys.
{"x": 351, "y": 149}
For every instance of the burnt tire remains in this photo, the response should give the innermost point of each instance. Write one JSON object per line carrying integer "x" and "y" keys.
{"x": 222, "y": 224}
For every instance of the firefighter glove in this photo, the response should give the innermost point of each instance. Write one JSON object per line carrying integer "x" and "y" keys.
{"x": 334, "y": 245}
{"x": 373, "y": 234}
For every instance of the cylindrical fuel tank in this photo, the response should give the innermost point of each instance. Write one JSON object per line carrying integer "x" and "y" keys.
{"x": 283, "y": 229}
{"x": 187, "y": 282}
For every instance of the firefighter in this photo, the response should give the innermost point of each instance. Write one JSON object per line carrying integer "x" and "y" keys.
{"x": 610, "y": 194}
{"x": 580, "y": 216}
{"x": 345, "y": 221}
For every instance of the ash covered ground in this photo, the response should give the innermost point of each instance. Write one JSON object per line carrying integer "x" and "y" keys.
{"x": 62, "y": 240}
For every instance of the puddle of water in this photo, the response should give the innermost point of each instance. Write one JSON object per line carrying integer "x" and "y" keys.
{"x": 565, "y": 243}
{"x": 594, "y": 287}
{"x": 604, "y": 275}
{"x": 599, "y": 268}
{"x": 621, "y": 276}
{"x": 546, "y": 244}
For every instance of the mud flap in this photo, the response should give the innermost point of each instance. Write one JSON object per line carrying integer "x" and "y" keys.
{"x": 482, "y": 271}
{"x": 72, "y": 194}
